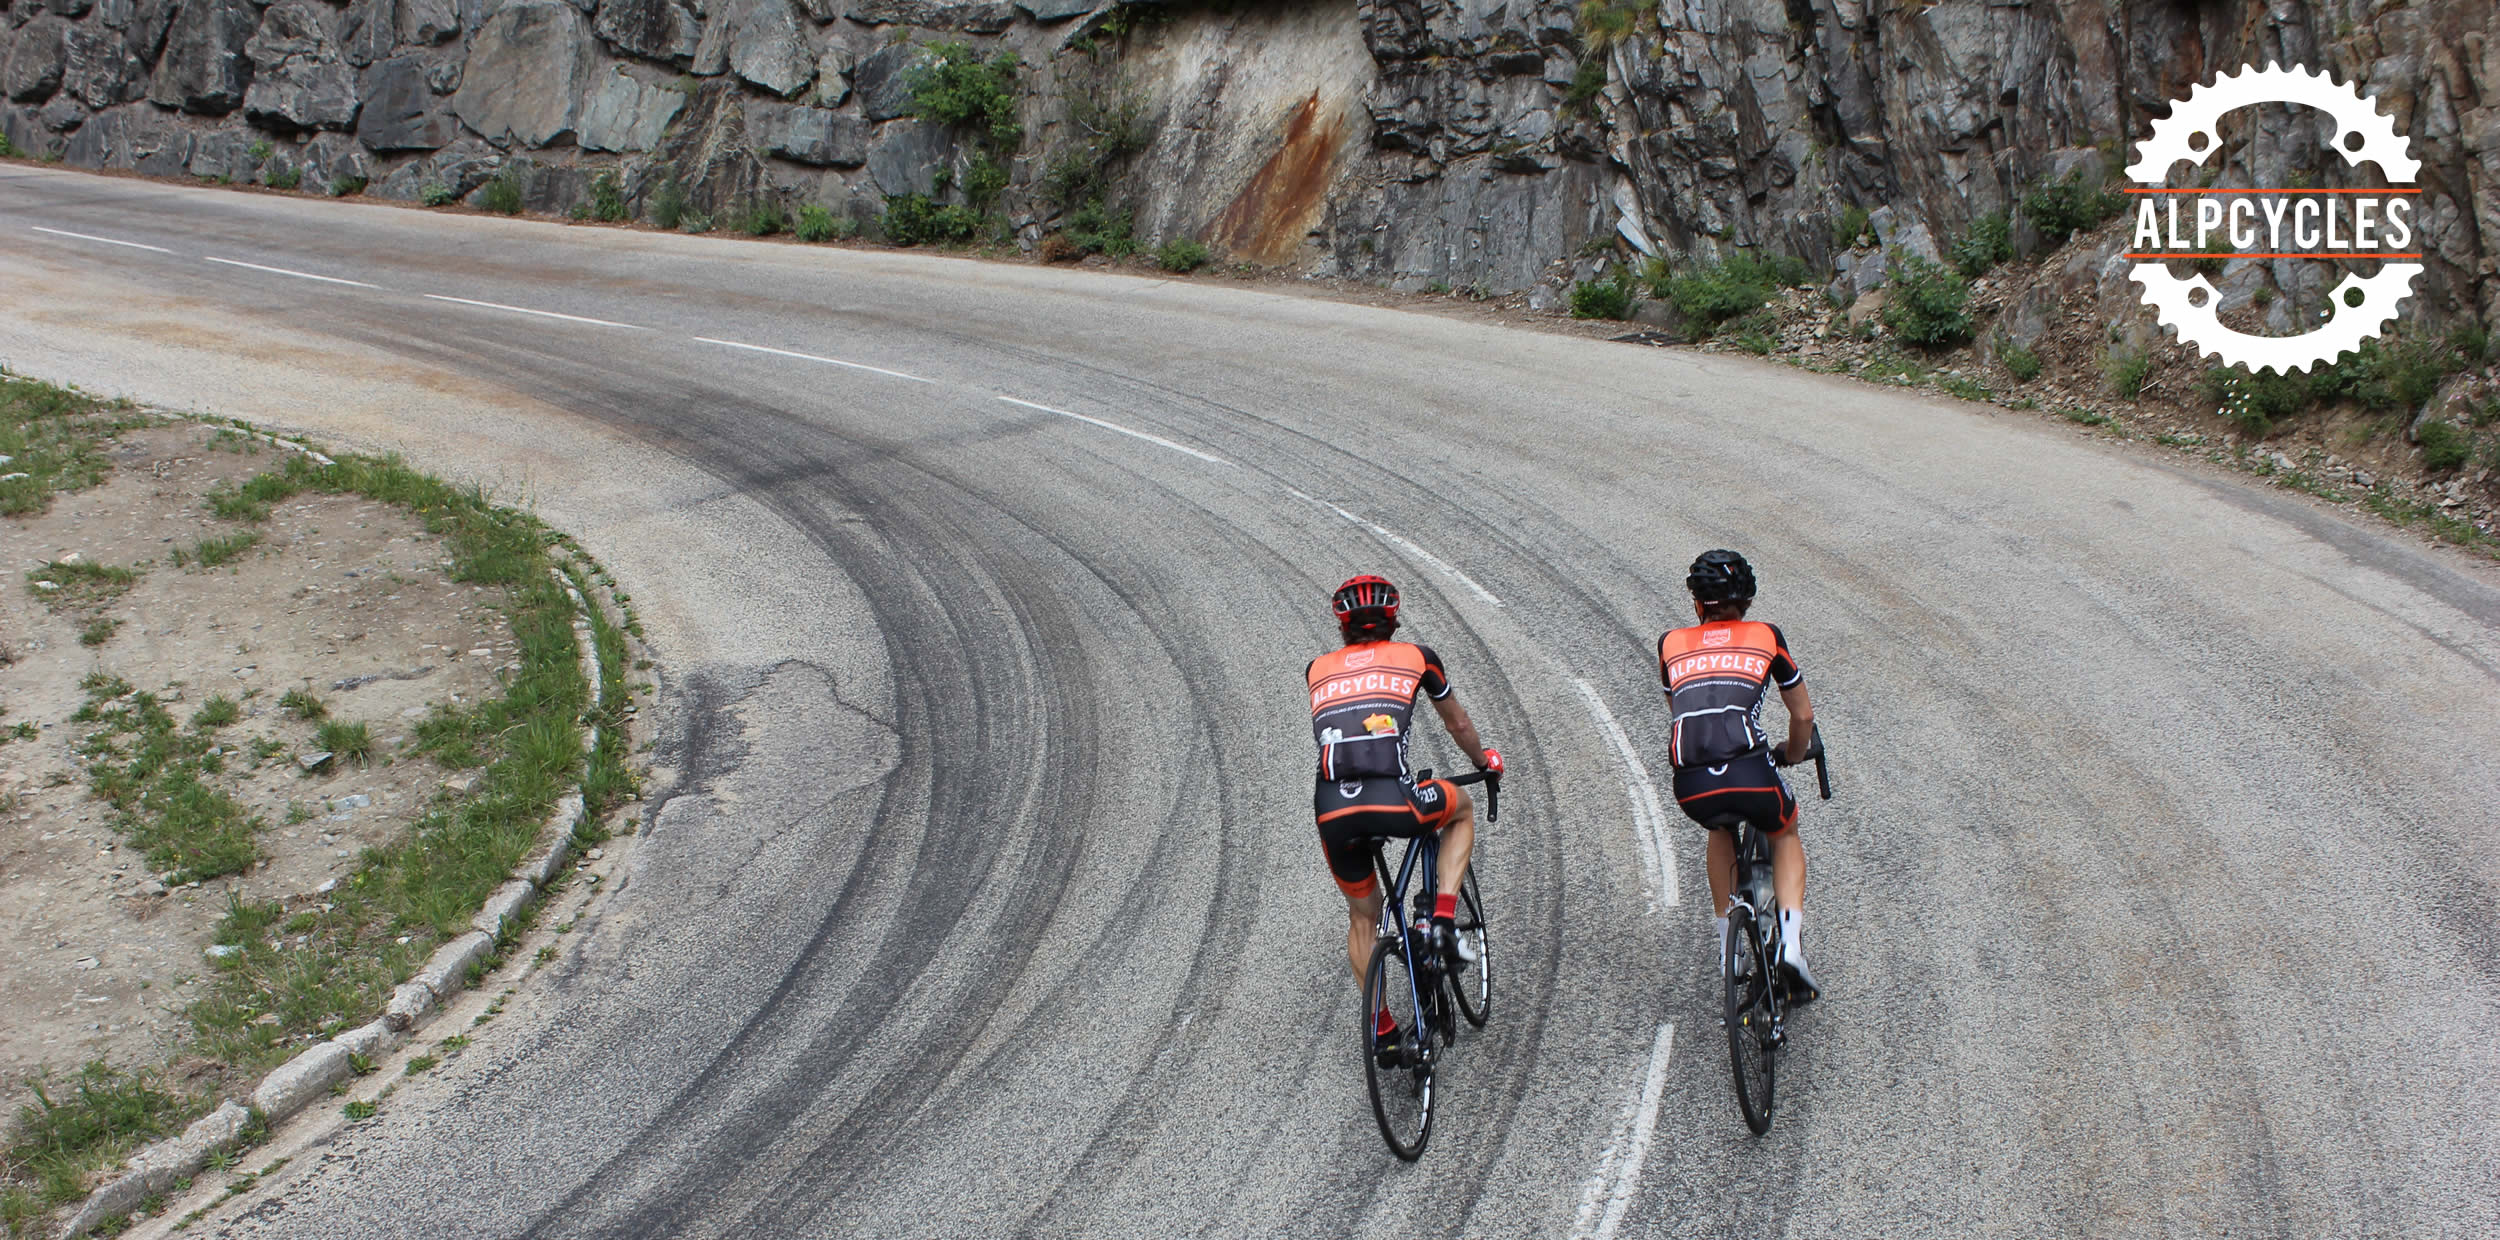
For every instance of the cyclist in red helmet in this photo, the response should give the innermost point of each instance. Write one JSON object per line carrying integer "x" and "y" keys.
{"x": 1715, "y": 675}
{"x": 1362, "y": 700}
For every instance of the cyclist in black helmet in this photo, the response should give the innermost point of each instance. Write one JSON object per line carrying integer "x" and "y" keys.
{"x": 1716, "y": 674}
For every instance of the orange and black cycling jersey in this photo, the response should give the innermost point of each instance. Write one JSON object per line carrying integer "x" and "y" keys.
{"x": 1716, "y": 675}
{"x": 1362, "y": 698}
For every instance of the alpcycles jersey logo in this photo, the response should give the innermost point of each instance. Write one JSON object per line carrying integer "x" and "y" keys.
{"x": 2346, "y": 225}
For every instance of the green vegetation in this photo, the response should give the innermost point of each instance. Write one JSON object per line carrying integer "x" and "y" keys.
{"x": 668, "y": 204}
{"x": 1965, "y": 387}
{"x": 80, "y": 584}
{"x": 1854, "y": 227}
{"x": 1737, "y": 286}
{"x": 148, "y": 770}
{"x": 303, "y": 705}
{"x": 349, "y": 742}
{"x": 359, "y": 1109}
{"x": 2445, "y": 445}
{"x": 217, "y": 712}
{"x": 815, "y": 223}
{"x": 2064, "y": 208}
{"x": 98, "y": 631}
{"x": 8, "y": 149}
{"x": 917, "y": 219}
{"x": 2127, "y": 372}
{"x": 2020, "y": 362}
{"x": 960, "y": 88}
{"x": 503, "y": 194}
{"x": 53, "y": 436}
{"x": 2085, "y": 417}
{"x": 1610, "y": 298}
{"x": 1097, "y": 229}
{"x": 347, "y": 186}
{"x": 1925, "y": 304}
{"x": 1990, "y": 241}
{"x": 260, "y": 150}
{"x": 1588, "y": 81}
{"x": 2393, "y": 375}
{"x": 1601, "y": 25}
{"x": 288, "y": 176}
{"x": 77, "y": 1127}
{"x": 1180, "y": 254}
{"x": 607, "y": 199}
{"x": 761, "y": 219}
{"x": 215, "y": 552}
{"x": 437, "y": 194}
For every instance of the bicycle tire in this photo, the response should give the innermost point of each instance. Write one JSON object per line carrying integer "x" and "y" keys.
{"x": 1402, "y": 1094}
{"x": 1752, "y": 1054}
{"x": 1472, "y": 980}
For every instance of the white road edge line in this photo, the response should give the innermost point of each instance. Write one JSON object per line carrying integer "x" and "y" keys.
{"x": 1619, "y": 1169}
{"x": 544, "y": 314}
{"x": 1157, "y": 440}
{"x": 1407, "y": 545}
{"x": 63, "y": 232}
{"x": 281, "y": 271}
{"x": 1649, "y": 818}
{"x": 810, "y": 357}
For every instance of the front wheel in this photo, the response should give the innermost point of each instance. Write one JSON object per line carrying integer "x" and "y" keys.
{"x": 1751, "y": 1018}
{"x": 1401, "y": 1087}
{"x": 1472, "y": 972}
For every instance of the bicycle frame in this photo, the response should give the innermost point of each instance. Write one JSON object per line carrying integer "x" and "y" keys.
{"x": 1422, "y": 862}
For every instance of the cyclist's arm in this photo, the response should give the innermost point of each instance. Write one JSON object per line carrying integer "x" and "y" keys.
{"x": 1800, "y": 720}
{"x": 1462, "y": 729}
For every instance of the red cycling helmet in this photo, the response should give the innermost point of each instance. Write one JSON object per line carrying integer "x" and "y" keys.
{"x": 1365, "y": 593}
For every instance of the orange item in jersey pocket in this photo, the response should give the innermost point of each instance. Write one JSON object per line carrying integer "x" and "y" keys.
{"x": 1381, "y": 725}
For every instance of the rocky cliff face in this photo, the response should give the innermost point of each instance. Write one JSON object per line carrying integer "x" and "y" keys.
{"x": 1501, "y": 144}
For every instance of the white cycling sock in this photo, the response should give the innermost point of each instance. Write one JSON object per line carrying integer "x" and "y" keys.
{"x": 1790, "y": 922}
{"x": 1721, "y": 940}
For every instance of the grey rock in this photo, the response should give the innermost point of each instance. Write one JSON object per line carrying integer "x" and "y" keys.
{"x": 413, "y": 1004}
{"x": 159, "y": 1167}
{"x": 401, "y": 111}
{"x": 299, "y": 81}
{"x": 368, "y": 32}
{"x": 653, "y": 29}
{"x": 204, "y": 69}
{"x": 761, "y": 41}
{"x": 300, "y": 1081}
{"x": 524, "y": 77}
{"x": 977, "y": 18}
{"x": 371, "y": 1040}
{"x": 63, "y": 114}
{"x": 162, "y": 150}
{"x": 548, "y": 865}
{"x": 71, "y": 8}
{"x": 624, "y": 113}
{"x": 447, "y": 972}
{"x": 36, "y": 59}
{"x": 99, "y": 68}
{"x": 833, "y": 77}
{"x": 815, "y": 136}
{"x": 821, "y": 11}
{"x": 906, "y": 156}
{"x": 504, "y": 908}
{"x": 316, "y": 760}
{"x": 1057, "y": 10}
{"x": 883, "y": 80}
{"x": 426, "y": 21}
{"x": 443, "y": 78}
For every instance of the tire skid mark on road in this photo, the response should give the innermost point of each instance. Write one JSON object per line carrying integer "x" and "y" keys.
{"x": 1649, "y": 820}
{"x": 1607, "y": 1195}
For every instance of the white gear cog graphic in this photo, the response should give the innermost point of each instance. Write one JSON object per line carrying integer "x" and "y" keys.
{"x": 2356, "y": 117}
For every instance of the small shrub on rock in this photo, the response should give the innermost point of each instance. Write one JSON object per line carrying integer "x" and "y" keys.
{"x": 1733, "y": 288}
{"x": 347, "y": 187}
{"x": 2445, "y": 446}
{"x": 1097, "y": 229}
{"x": 2020, "y": 362}
{"x": 914, "y": 219}
{"x": 1926, "y": 305}
{"x": 668, "y": 204}
{"x": 762, "y": 219}
{"x": 437, "y": 194}
{"x": 607, "y": 198}
{"x": 2067, "y": 207}
{"x": 2127, "y": 373}
{"x": 503, "y": 194}
{"x": 286, "y": 177}
{"x": 1603, "y": 299}
{"x": 1990, "y": 241}
{"x": 816, "y": 223}
{"x": 963, "y": 89}
{"x": 1182, "y": 255}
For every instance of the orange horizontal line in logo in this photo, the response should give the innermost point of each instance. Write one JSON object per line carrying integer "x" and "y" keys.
{"x": 2273, "y": 191}
{"x": 2329, "y": 254}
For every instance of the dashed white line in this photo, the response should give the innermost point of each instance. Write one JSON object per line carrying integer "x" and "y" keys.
{"x": 1649, "y": 820}
{"x": 1607, "y": 1196}
{"x": 810, "y": 357}
{"x": 63, "y": 232}
{"x": 300, "y": 275}
{"x": 1157, "y": 440}
{"x": 1407, "y": 545}
{"x": 544, "y": 314}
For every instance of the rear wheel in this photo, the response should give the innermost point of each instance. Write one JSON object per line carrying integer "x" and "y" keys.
{"x": 1472, "y": 976}
{"x": 1750, "y": 1017}
{"x": 1401, "y": 1088}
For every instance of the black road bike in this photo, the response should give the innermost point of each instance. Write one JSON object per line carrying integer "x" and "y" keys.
{"x": 1425, "y": 993}
{"x": 1758, "y": 995}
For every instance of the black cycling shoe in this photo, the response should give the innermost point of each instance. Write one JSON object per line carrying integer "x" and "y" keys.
{"x": 1386, "y": 1047}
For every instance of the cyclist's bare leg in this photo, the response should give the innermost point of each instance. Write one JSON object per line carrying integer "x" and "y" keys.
{"x": 1720, "y": 861}
{"x": 1788, "y": 869}
{"x": 1362, "y": 924}
{"x": 1458, "y": 842}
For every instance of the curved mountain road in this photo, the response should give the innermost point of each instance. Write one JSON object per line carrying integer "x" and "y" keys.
{"x": 2158, "y": 897}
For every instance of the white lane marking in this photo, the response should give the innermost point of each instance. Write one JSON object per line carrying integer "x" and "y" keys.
{"x": 1157, "y": 440}
{"x": 300, "y": 275}
{"x": 544, "y": 314}
{"x": 1619, "y": 1169}
{"x": 1649, "y": 819}
{"x": 810, "y": 357}
{"x": 63, "y": 232}
{"x": 1407, "y": 545}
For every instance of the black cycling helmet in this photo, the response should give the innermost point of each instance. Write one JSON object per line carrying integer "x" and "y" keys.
{"x": 1720, "y": 577}
{"x": 1365, "y": 594}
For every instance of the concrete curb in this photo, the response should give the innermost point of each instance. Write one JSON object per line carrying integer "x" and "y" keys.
{"x": 307, "y": 1078}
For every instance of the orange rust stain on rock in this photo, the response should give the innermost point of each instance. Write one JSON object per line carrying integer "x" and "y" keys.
{"x": 1271, "y": 214}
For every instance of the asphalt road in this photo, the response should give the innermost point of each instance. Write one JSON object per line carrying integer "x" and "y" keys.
{"x": 2158, "y": 898}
